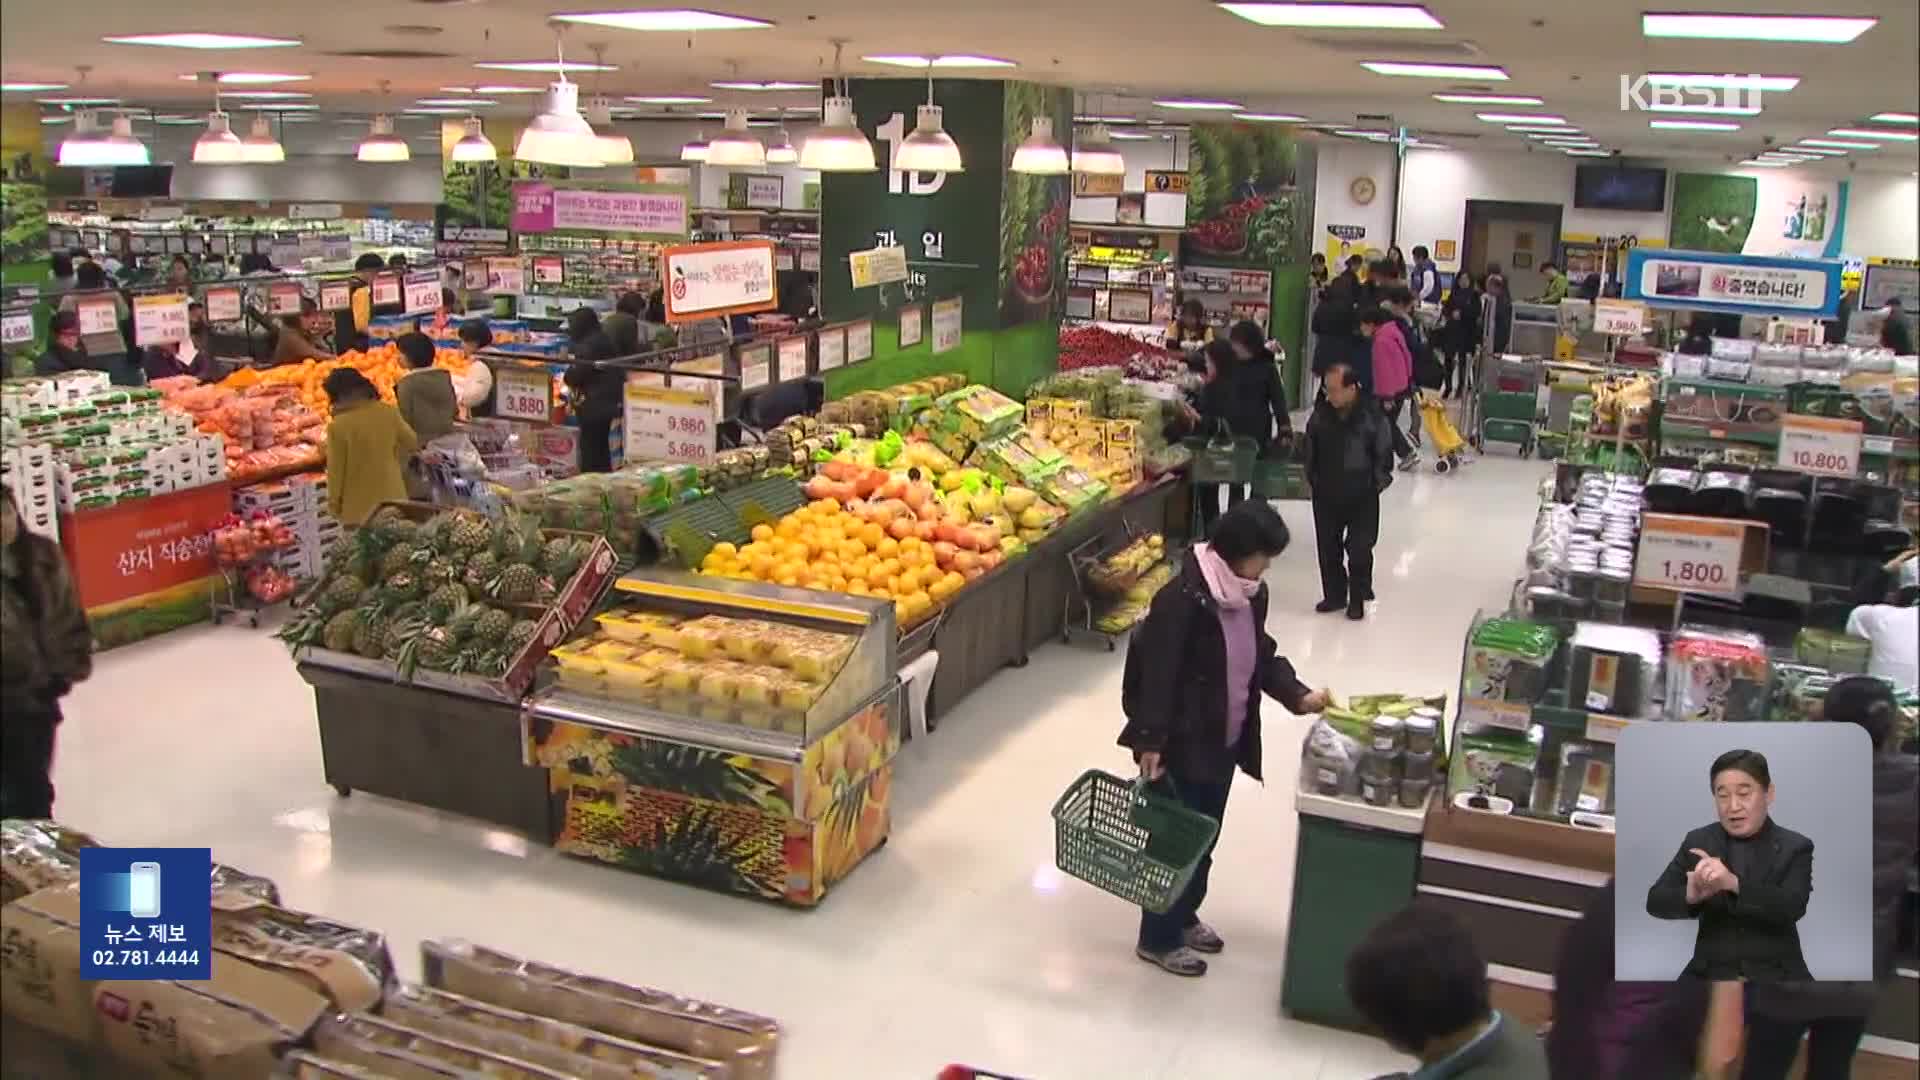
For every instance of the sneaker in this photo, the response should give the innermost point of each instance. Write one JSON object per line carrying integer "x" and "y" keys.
{"x": 1356, "y": 611}
{"x": 1201, "y": 938}
{"x": 1410, "y": 462}
{"x": 1180, "y": 961}
{"x": 1326, "y": 606}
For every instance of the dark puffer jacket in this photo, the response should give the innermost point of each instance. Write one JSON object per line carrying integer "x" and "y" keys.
{"x": 48, "y": 646}
{"x": 1350, "y": 456}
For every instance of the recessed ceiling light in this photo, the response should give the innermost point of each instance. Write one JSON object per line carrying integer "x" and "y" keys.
{"x": 1435, "y": 71}
{"x": 1820, "y": 151}
{"x": 58, "y": 119}
{"x": 1875, "y": 133}
{"x": 1692, "y": 125}
{"x": 666, "y": 21}
{"x": 248, "y": 78}
{"x": 763, "y": 86}
{"x": 1550, "y": 129}
{"x": 1844, "y": 144}
{"x": 204, "y": 41}
{"x": 943, "y": 61}
{"x": 670, "y": 99}
{"x": 1488, "y": 99}
{"x": 1570, "y": 152}
{"x": 77, "y": 101}
{"x": 461, "y": 102}
{"x": 1269, "y": 117}
{"x": 1704, "y": 110}
{"x": 551, "y": 66}
{"x": 497, "y": 90}
{"x": 1199, "y": 105}
{"x": 1818, "y": 29}
{"x": 264, "y": 95}
{"x": 1569, "y": 142}
{"x": 1520, "y": 118}
{"x": 31, "y": 87}
{"x": 1361, "y": 133}
{"x": 1758, "y": 164}
{"x": 1895, "y": 118}
{"x": 1771, "y": 84}
{"x": 1337, "y": 16}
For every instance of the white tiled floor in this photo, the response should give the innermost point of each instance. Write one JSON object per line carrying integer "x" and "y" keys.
{"x": 958, "y": 942}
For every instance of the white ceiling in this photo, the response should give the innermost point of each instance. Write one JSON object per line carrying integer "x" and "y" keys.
{"x": 1124, "y": 51}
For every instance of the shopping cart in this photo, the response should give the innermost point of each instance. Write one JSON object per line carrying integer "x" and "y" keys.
{"x": 1506, "y": 403}
{"x": 1448, "y": 446}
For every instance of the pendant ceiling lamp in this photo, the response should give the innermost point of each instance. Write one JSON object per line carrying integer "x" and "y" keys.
{"x": 694, "y": 149}
{"x": 218, "y": 144}
{"x": 382, "y": 145}
{"x": 79, "y": 147}
{"x": 782, "y": 151}
{"x": 559, "y": 135}
{"x": 928, "y": 149}
{"x": 838, "y": 144}
{"x": 1041, "y": 154}
{"x": 1095, "y": 155}
{"x": 260, "y": 147}
{"x": 474, "y": 145}
{"x": 90, "y": 145}
{"x": 615, "y": 148}
{"x": 735, "y": 145}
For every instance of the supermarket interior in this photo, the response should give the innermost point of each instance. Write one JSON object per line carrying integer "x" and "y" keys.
{"x": 579, "y": 507}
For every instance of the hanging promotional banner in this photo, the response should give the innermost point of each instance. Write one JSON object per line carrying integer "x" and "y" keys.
{"x": 1819, "y": 445}
{"x": 98, "y": 315}
{"x": 386, "y": 289}
{"x": 1689, "y": 554}
{"x": 283, "y": 298}
{"x": 223, "y": 305}
{"x": 1745, "y": 284}
{"x": 159, "y": 318}
{"x": 423, "y": 291}
{"x": 506, "y": 276}
{"x": 860, "y": 341}
{"x": 728, "y": 278}
{"x": 523, "y": 393}
{"x": 663, "y": 424}
{"x": 792, "y": 355}
{"x": 1784, "y": 214}
{"x": 334, "y": 296}
{"x": 540, "y": 207}
{"x": 833, "y": 348}
{"x": 946, "y": 325}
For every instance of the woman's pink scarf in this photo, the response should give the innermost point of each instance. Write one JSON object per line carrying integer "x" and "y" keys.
{"x": 1229, "y": 589}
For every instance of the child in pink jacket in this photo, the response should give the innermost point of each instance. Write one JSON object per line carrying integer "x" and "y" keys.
{"x": 1392, "y": 376}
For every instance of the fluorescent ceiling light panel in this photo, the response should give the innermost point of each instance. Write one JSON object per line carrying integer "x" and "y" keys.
{"x": 281, "y": 106}
{"x": 1895, "y": 118}
{"x": 666, "y": 21}
{"x": 1337, "y": 16}
{"x": 1361, "y": 133}
{"x": 1704, "y": 110}
{"x": 1520, "y": 118}
{"x": 1758, "y": 164}
{"x": 1570, "y": 152}
{"x": 497, "y": 90}
{"x": 430, "y": 111}
{"x": 1569, "y": 142}
{"x": 1692, "y": 125}
{"x": 203, "y": 41}
{"x": 31, "y": 87}
{"x": 1104, "y": 120}
{"x": 1198, "y": 105}
{"x": 1819, "y": 150}
{"x": 1771, "y": 84}
{"x": 1488, "y": 99}
{"x": 77, "y": 101}
{"x": 1844, "y": 144}
{"x": 1547, "y": 129}
{"x": 1269, "y": 118}
{"x": 539, "y": 65}
{"x": 463, "y": 103}
{"x": 248, "y": 78}
{"x": 1134, "y": 136}
{"x": 956, "y": 61}
{"x": 764, "y": 86}
{"x": 1435, "y": 71}
{"x": 64, "y": 119}
{"x": 669, "y": 99}
{"x": 1815, "y": 29}
{"x": 264, "y": 95}
{"x": 1875, "y": 133}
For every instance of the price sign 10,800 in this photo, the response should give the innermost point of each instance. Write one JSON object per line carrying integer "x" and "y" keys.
{"x": 1819, "y": 445}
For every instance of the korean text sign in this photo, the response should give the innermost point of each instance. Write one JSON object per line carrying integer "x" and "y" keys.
{"x": 707, "y": 280}
{"x": 1749, "y": 284}
{"x": 539, "y": 208}
{"x": 146, "y": 913}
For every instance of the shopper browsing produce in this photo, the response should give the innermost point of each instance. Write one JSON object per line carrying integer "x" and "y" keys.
{"x": 106, "y": 349}
{"x": 597, "y": 390}
{"x": 1336, "y": 321}
{"x": 293, "y": 344}
{"x": 475, "y": 385}
{"x": 1745, "y": 878}
{"x": 350, "y": 324}
{"x": 1191, "y": 330}
{"x": 1349, "y": 460}
{"x": 1893, "y": 628}
{"x": 48, "y": 649}
{"x": 425, "y": 393}
{"x": 65, "y": 349}
{"x": 1833, "y": 1015}
{"x": 1392, "y": 378}
{"x": 1195, "y": 671}
{"x": 1419, "y": 980}
{"x": 1895, "y": 334}
{"x": 368, "y": 444}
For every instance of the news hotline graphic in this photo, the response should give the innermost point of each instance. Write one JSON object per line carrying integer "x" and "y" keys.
{"x": 146, "y": 913}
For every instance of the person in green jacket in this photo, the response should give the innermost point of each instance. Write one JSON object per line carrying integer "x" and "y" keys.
{"x": 368, "y": 444}
{"x": 48, "y": 649}
{"x": 1419, "y": 980}
{"x": 1556, "y": 284}
{"x": 425, "y": 393}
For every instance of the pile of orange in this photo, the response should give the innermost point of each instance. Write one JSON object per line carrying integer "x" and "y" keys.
{"x": 381, "y": 365}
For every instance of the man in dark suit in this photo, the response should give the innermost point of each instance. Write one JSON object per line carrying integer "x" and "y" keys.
{"x": 1745, "y": 878}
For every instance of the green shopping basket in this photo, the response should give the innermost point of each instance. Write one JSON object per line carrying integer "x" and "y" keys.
{"x": 1221, "y": 459}
{"x": 1123, "y": 837}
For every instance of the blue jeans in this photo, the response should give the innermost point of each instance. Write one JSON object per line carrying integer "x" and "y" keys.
{"x": 1161, "y": 933}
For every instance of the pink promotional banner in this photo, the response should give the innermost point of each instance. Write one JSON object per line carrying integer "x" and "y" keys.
{"x": 542, "y": 207}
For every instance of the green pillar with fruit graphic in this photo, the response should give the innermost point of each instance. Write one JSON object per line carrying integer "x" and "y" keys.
{"x": 994, "y": 238}
{"x": 1250, "y": 208}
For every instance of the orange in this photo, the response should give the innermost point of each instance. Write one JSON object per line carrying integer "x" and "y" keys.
{"x": 763, "y": 533}
{"x": 887, "y": 547}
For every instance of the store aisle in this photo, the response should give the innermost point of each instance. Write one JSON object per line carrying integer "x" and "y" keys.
{"x": 958, "y": 942}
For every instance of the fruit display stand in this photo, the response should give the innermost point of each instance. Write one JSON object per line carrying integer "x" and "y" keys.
{"x": 734, "y": 735}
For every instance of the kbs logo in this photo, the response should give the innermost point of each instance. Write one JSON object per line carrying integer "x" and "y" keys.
{"x": 1733, "y": 95}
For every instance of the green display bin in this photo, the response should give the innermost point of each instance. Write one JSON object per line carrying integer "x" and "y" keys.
{"x": 1354, "y": 865}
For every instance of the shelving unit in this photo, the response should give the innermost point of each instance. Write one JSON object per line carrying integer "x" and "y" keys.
{"x": 1122, "y": 274}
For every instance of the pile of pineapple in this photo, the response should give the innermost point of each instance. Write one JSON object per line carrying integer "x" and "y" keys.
{"x": 449, "y": 594}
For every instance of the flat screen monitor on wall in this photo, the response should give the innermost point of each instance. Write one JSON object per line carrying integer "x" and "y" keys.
{"x": 1619, "y": 187}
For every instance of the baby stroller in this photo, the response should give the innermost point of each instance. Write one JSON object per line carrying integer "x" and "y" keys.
{"x": 1447, "y": 443}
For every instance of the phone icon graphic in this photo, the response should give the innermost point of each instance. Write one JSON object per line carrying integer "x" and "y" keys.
{"x": 143, "y": 890}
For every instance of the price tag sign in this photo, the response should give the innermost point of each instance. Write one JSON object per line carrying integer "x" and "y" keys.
{"x": 913, "y": 325}
{"x": 860, "y": 342}
{"x": 423, "y": 292}
{"x": 97, "y": 315}
{"x": 833, "y": 349}
{"x": 159, "y": 318}
{"x": 810, "y": 260}
{"x": 782, "y": 259}
{"x": 223, "y": 305}
{"x": 877, "y": 266}
{"x": 1689, "y": 554}
{"x": 335, "y": 295}
{"x": 1820, "y": 445}
{"x": 16, "y": 328}
{"x": 1602, "y": 728}
{"x": 1877, "y": 444}
{"x": 1619, "y": 317}
{"x": 946, "y": 325}
{"x": 386, "y": 288}
{"x": 506, "y": 276}
{"x": 549, "y": 270}
{"x": 523, "y": 394}
{"x": 793, "y": 359}
{"x": 283, "y": 298}
{"x": 1488, "y": 712}
{"x": 755, "y": 366}
{"x": 667, "y": 424}
{"x": 474, "y": 275}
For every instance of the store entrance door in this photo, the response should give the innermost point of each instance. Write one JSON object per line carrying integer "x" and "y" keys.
{"x": 1519, "y": 236}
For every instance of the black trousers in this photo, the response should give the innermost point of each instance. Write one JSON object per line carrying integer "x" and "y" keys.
{"x": 1344, "y": 532}
{"x": 1402, "y": 446}
{"x": 26, "y": 763}
{"x": 1210, "y": 509}
{"x": 1773, "y": 1044}
{"x": 1160, "y": 933}
{"x": 596, "y": 444}
{"x": 1456, "y": 362}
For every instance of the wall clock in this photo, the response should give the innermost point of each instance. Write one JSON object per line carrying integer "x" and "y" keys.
{"x": 1361, "y": 190}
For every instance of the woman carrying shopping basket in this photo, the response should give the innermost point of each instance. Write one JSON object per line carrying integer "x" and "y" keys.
{"x": 1195, "y": 671}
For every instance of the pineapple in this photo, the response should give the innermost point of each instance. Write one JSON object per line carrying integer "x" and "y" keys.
{"x": 518, "y": 539}
{"x": 465, "y": 619}
{"x": 439, "y": 572}
{"x": 432, "y": 649}
{"x": 342, "y": 592}
{"x": 519, "y": 635}
{"x": 545, "y": 592}
{"x": 493, "y": 627}
{"x": 370, "y": 637}
{"x": 469, "y": 533}
{"x": 401, "y": 587}
{"x": 341, "y": 629}
{"x": 480, "y": 570}
{"x": 444, "y": 600}
{"x": 399, "y": 557}
{"x": 405, "y": 626}
{"x": 561, "y": 557}
{"x": 368, "y": 597}
{"x": 516, "y": 584}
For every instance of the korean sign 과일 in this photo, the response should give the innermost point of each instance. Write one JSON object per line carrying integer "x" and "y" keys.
{"x": 707, "y": 280}
{"x": 1747, "y": 284}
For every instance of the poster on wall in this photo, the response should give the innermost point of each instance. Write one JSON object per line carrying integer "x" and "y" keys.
{"x": 1745, "y": 284}
{"x": 1779, "y": 213}
{"x": 1244, "y": 200}
{"x": 1033, "y": 212}
{"x": 1342, "y": 241}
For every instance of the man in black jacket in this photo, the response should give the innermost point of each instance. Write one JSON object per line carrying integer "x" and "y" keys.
{"x": 1336, "y": 321}
{"x": 1349, "y": 457}
{"x": 1745, "y": 878}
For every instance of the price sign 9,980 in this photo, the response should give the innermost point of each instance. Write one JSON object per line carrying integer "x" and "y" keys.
{"x": 666, "y": 424}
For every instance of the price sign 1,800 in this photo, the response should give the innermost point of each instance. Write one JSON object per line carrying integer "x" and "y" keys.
{"x": 1689, "y": 554}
